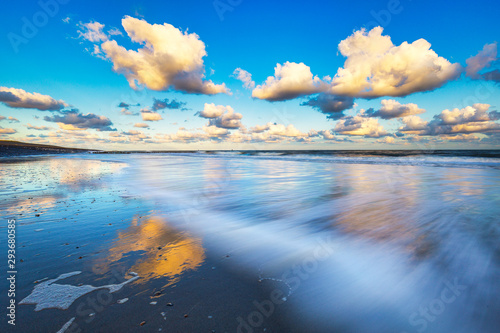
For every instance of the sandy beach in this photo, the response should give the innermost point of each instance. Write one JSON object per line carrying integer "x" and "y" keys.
{"x": 126, "y": 243}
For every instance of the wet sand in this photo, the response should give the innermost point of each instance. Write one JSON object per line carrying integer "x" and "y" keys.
{"x": 71, "y": 217}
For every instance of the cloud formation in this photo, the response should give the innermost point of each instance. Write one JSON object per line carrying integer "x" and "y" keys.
{"x": 244, "y": 77}
{"x": 166, "y": 104}
{"x": 290, "y": 80}
{"x": 331, "y": 105}
{"x": 392, "y": 109}
{"x": 19, "y": 98}
{"x": 471, "y": 119}
{"x": 360, "y": 125}
{"x": 92, "y": 31}
{"x": 169, "y": 58}
{"x": 141, "y": 125}
{"x": 482, "y": 60}
{"x": 375, "y": 67}
{"x": 7, "y": 131}
{"x": 221, "y": 116}
{"x": 74, "y": 120}
{"x": 148, "y": 115}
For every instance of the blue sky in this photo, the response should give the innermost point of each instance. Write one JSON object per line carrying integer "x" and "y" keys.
{"x": 59, "y": 61}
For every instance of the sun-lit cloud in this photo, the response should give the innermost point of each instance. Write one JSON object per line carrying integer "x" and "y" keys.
{"x": 244, "y": 77}
{"x": 290, "y": 80}
{"x": 19, "y": 98}
{"x": 141, "y": 125}
{"x": 74, "y": 120}
{"x": 471, "y": 119}
{"x": 375, "y": 67}
{"x": 393, "y": 109}
{"x": 482, "y": 60}
{"x": 360, "y": 125}
{"x": 221, "y": 116}
{"x": 148, "y": 115}
{"x": 4, "y": 131}
{"x": 169, "y": 58}
{"x": 92, "y": 31}
{"x": 214, "y": 131}
{"x": 38, "y": 128}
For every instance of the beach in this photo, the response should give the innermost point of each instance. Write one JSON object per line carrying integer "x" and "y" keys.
{"x": 254, "y": 242}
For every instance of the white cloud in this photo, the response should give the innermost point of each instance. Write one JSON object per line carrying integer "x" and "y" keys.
{"x": 290, "y": 80}
{"x": 148, "y": 115}
{"x": 375, "y": 67}
{"x": 244, "y": 77}
{"x": 18, "y": 98}
{"x": 393, "y": 109}
{"x": 471, "y": 119}
{"x": 221, "y": 116}
{"x": 210, "y": 110}
{"x": 214, "y": 131}
{"x": 168, "y": 59}
{"x": 360, "y": 125}
{"x": 141, "y": 125}
{"x": 481, "y": 60}
{"x": 92, "y": 31}
{"x": 7, "y": 131}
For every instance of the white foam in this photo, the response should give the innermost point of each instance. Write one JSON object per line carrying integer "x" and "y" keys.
{"x": 48, "y": 294}
{"x": 66, "y": 326}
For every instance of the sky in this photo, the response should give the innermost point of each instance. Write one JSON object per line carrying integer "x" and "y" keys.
{"x": 240, "y": 74}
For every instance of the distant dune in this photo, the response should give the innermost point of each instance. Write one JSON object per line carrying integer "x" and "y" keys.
{"x": 16, "y": 148}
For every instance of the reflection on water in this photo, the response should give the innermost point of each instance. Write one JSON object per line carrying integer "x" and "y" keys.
{"x": 401, "y": 233}
{"x": 161, "y": 251}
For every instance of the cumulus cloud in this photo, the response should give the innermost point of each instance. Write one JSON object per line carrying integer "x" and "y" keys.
{"x": 74, "y": 120}
{"x": 7, "y": 131}
{"x": 148, "y": 115}
{"x": 331, "y": 105}
{"x": 468, "y": 120}
{"x": 482, "y": 60}
{"x": 169, "y": 58}
{"x": 273, "y": 129}
{"x": 229, "y": 120}
{"x": 376, "y": 67}
{"x": 413, "y": 125}
{"x": 19, "y": 98}
{"x": 141, "y": 125}
{"x": 471, "y": 119}
{"x": 214, "y": 131}
{"x": 244, "y": 77}
{"x": 13, "y": 120}
{"x": 393, "y": 109}
{"x": 166, "y": 104}
{"x": 210, "y": 110}
{"x": 221, "y": 116}
{"x": 38, "y": 128}
{"x": 290, "y": 80}
{"x": 360, "y": 125}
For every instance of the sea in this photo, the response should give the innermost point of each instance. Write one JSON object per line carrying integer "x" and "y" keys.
{"x": 350, "y": 241}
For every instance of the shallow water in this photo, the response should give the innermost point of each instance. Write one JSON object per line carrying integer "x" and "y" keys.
{"x": 351, "y": 243}
{"x": 362, "y": 244}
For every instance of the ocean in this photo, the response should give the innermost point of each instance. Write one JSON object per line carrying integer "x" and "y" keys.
{"x": 340, "y": 241}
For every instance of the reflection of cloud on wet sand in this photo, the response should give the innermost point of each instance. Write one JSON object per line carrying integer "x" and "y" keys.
{"x": 162, "y": 251}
